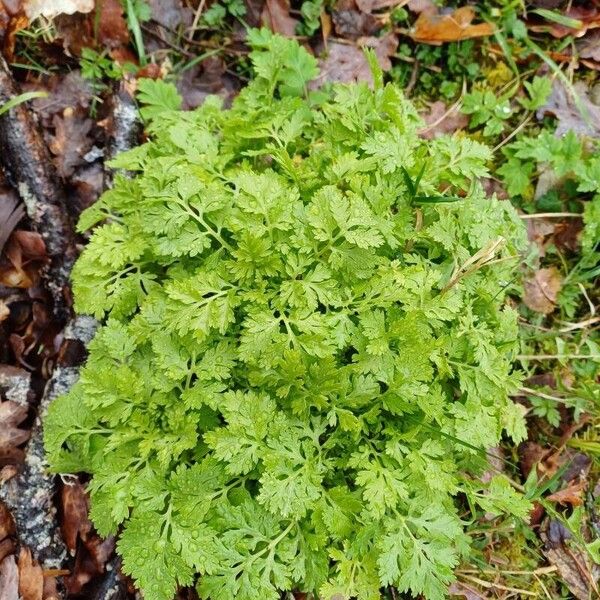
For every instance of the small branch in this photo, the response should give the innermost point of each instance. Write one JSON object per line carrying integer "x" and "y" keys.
{"x": 28, "y": 166}
{"x": 558, "y": 356}
{"x": 551, "y": 215}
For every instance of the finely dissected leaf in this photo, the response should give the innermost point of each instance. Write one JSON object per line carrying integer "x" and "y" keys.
{"x": 306, "y": 352}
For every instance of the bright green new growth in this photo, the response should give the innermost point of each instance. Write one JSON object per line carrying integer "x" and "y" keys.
{"x": 307, "y": 349}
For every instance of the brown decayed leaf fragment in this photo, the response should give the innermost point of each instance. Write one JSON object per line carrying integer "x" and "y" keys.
{"x": 11, "y": 212}
{"x": 71, "y": 141}
{"x": 588, "y": 17}
{"x": 432, "y": 28}
{"x": 112, "y": 26}
{"x": 346, "y": 63}
{"x": 11, "y": 415}
{"x": 9, "y": 579}
{"x": 351, "y": 22}
{"x": 31, "y": 577}
{"x": 75, "y": 523}
{"x": 276, "y": 16}
{"x": 572, "y": 494}
{"x": 572, "y": 563}
{"x": 440, "y": 120}
{"x": 541, "y": 290}
{"x": 568, "y": 113}
{"x": 23, "y": 255}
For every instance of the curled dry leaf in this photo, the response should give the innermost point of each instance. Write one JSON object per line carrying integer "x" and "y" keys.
{"x": 53, "y": 8}
{"x": 433, "y": 28}
{"x": 572, "y": 494}
{"x": 76, "y": 523}
{"x": 31, "y": 577}
{"x": 581, "y": 116}
{"x": 541, "y": 290}
{"x": 276, "y": 16}
{"x": 7, "y": 523}
{"x": 11, "y": 415}
{"x": 9, "y": 579}
{"x": 24, "y": 254}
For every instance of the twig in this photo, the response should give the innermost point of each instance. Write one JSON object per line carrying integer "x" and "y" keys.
{"x": 557, "y": 356}
{"x": 580, "y": 325}
{"x": 498, "y": 586}
{"x": 550, "y": 215}
{"x": 28, "y": 166}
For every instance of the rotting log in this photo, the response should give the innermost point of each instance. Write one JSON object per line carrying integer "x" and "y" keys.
{"x": 30, "y": 494}
{"x": 28, "y": 166}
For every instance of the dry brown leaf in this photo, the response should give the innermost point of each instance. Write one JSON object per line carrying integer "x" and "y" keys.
{"x": 76, "y": 523}
{"x": 112, "y": 26}
{"x": 572, "y": 494}
{"x": 439, "y": 120}
{"x": 9, "y": 579}
{"x": 11, "y": 415}
{"x": 23, "y": 255}
{"x": 465, "y": 590}
{"x": 568, "y": 113}
{"x": 346, "y": 63}
{"x": 31, "y": 577}
{"x": 7, "y": 523}
{"x": 431, "y": 28}
{"x": 11, "y": 212}
{"x": 276, "y": 16}
{"x": 541, "y": 290}
{"x": 588, "y": 16}
{"x": 351, "y": 22}
{"x": 70, "y": 141}
{"x": 572, "y": 563}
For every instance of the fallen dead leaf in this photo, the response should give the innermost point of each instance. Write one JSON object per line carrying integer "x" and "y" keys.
{"x": 572, "y": 563}
{"x": 112, "y": 26}
{"x": 68, "y": 91}
{"x": 9, "y": 579}
{"x": 276, "y": 16}
{"x": 7, "y": 523}
{"x": 76, "y": 523}
{"x": 588, "y": 17}
{"x": 11, "y": 212}
{"x": 346, "y": 63}
{"x": 440, "y": 120}
{"x": 572, "y": 494}
{"x": 541, "y": 290}
{"x": 350, "y": 22}
{"x": 31, "y": 577}
{"x": 459, "y": 588}
{"x": 11, "y": 415}
{"x": 568, "y": 113}
{"x": 71, "y": 141}
{"x": 53, "y": 8}
{"x": 208, "y": 78}
{"x": 432, "y": 28}
{"x": 23, "y": 255}
{"x": 589, "y": 46}
{"x": 170, "y": 13}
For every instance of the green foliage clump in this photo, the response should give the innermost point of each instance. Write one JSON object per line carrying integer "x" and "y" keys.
{"x": 307, "y": 351}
